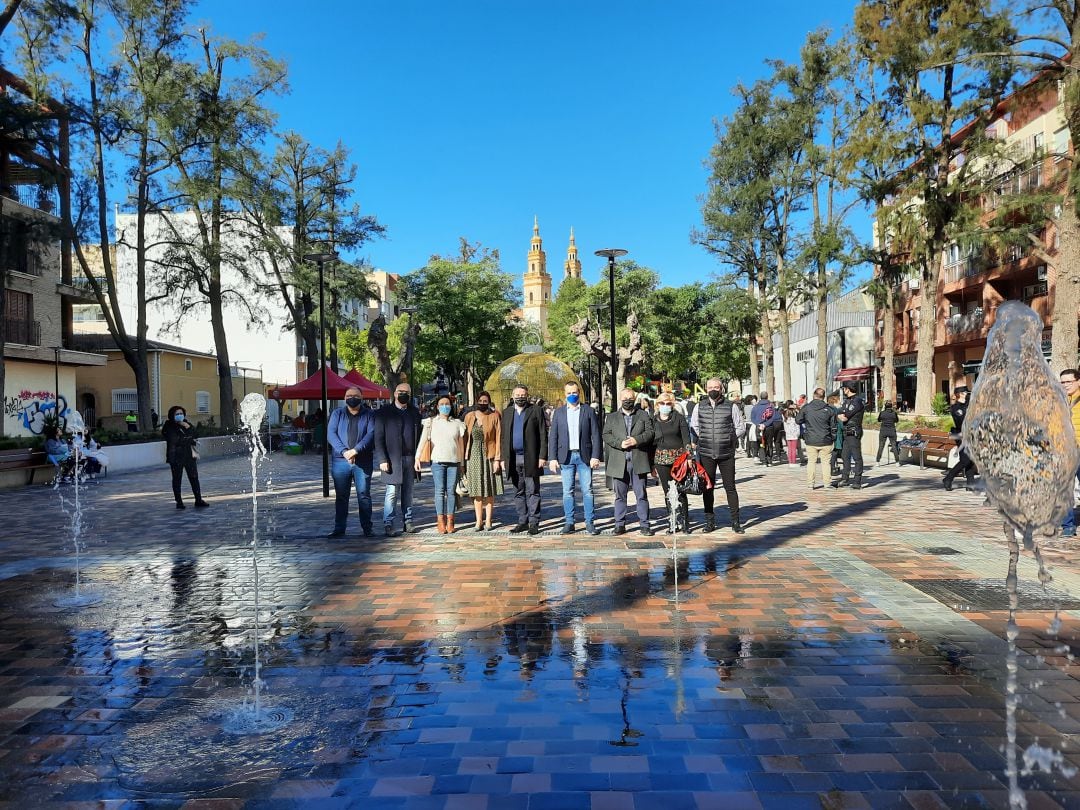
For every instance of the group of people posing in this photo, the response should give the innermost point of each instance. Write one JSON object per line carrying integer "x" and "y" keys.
{"x": 471, "y": 456}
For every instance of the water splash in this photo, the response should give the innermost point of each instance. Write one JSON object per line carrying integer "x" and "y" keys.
{"x": 1019, "y": 432}
{"x": 81, "y": 597}
{"x": 254, "y": 718}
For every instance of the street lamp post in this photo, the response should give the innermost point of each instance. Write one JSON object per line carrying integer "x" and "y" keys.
{"x": 611, "y": 254}
{"x": 806, "y": 378}
{"x": 320, "y": 259}
{"x": 56, "y": 382}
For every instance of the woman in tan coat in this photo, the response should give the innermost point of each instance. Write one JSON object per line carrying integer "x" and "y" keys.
{"x": 483, "y": 465}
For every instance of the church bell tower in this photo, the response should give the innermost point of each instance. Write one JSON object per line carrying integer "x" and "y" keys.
{"x": 537, "y": 283}
{"x": 572, "y": 267}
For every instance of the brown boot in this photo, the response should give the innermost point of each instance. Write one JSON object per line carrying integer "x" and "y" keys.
{"x": 449, "y": 524}
{"x": 440, "y": 522}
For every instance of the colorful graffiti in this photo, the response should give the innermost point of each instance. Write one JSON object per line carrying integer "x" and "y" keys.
{"x": 32, "y": 408}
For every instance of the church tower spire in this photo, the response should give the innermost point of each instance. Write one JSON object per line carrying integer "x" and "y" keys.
{"x": 537, "y": 283}
{"x": 572, "y": 267}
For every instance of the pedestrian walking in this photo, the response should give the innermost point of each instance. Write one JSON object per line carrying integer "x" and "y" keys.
{"x": 628, "y": 432}
{"x": 792, "y": 434}
{"x": 887, "y": 432}
{"x": 182, "y": 455}
{"x": 964, "y": 464}
{"x": 524, "y": 446}
{"x": 1070, "y": 381}
{"x": 851, "y": 427}
{"x": 351, "y": 433}
{"x": 671, "y": 438}
{"x": 819, "y": 425}
{"x": 576, "y": 449}
{"x": 397, "y": 437}
{"x": 768, "y": 420}
{"x": 715, "y": 428}
{"x": 483, "y": 454}
{"x": 443, "y": 439}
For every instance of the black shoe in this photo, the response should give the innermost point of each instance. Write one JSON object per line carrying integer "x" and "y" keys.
{"x": 390, "y": 531}
{"x": 619, "y": 530}
{"x": 518, "y": 529}
{"x": 590, "y": 529}
{"x": 201, "y": 504}
{"x": 710, "y": 524}
{"x": 947, "y": 483}
{"x": 409, "y": 529}
{"x": 737, "y": 527}
{"x": 368, "y": 531}
{"x": 646, "y": 531}
{"x": 534, "y": 528}
{"x": 336, "y": 533}
{"x": 180, "y": 505}
{"x": 841, "y": 483}
{"x": 568, "y": 528}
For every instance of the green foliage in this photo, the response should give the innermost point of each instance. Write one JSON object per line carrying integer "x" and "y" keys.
{"x": 940, "y": 404}
{"x": 353, "y": 351}
{"x": 571, "y": 304}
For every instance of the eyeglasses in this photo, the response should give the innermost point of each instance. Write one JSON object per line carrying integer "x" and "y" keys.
{"x": 1069, "y": 382}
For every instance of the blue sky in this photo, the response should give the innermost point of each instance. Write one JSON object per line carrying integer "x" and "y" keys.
{"x": 468, "y": 118}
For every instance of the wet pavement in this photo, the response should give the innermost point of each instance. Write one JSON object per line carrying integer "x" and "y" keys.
{"x": 793, "y": 666}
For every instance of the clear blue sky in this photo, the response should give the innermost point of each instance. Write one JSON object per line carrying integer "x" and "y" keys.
{"x": 466, "y": 118}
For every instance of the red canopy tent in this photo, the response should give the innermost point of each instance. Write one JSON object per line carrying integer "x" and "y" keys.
{"x": 311, "y": 388}
{"x": 369, "y": 389}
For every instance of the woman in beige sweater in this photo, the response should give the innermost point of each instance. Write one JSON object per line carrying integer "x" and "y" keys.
{"x": 447, "y": 437}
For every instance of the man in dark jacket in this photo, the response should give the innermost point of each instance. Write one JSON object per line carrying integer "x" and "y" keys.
{"x": 525, "y": 450}
{"x": 574, "y": 445}
{"x": 964, "y": 465}
{"x": 351, "y": 434}
{"x": 819, "y": 433}
{"x": 850, "y": 419}
{"x": 715, "y": 428}
{"x": 888, "y": 418}
{"x": 769, "y": 421}
{"x": 397, "y": 434}
{"x": 628, "y": 432}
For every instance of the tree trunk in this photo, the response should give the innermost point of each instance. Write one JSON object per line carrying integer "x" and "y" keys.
{"x": 755, "y": 372}
{"x": 931, "y": 267}
{"x": 785, "y": 351}
{"x": 821, "y": 352}
{"x": 221, "y": 348}
{"x": 1066, "y": 280}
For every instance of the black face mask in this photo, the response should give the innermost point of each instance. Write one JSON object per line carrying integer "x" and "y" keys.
{"x": 715, "y": 395}
{"x": 483, "y": 405}
{"x": 403, "y": 398}
{"x": 521, "y": 402}
{"x": 628, "y": 404}
{"x": 353, "y": 402}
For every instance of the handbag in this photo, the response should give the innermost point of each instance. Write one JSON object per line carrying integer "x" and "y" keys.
{"x": 424, "y": 454}
{"x": 462, "y": 486}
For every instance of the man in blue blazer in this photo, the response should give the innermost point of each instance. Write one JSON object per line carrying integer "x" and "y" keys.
{"x": 351, "y": 434}
{"x": 574, "y": 444}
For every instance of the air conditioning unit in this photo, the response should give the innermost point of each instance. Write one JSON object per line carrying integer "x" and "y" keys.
{"x": 913, "y": 283}
{"x": 1040, "y": 272}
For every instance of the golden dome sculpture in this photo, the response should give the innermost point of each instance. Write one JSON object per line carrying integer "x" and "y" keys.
{"x": 544, "y": 374}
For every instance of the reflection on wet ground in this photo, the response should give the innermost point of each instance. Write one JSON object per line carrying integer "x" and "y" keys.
{"x": 796, "y": 668}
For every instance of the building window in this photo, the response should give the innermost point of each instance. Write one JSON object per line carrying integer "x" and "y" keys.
{"x": 202, "y": 402}
{"x": 530, "y": 298}
{"x": 187, "y": 365}
{"x": 124, "y": 400}
{"x": 1061, "y": 144}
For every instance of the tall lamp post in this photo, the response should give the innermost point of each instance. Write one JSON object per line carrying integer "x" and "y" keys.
{"x": 320, "y": 259}
{"x": 806, "y": 378}
{"x": 611, "y": 254}
{"x": 56, "y": 382}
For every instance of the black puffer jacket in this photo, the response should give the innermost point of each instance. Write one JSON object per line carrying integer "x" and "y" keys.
{"x": 820, "y": 423}
{"x": 179, "y": 441}
{"x": 888, "y": 419}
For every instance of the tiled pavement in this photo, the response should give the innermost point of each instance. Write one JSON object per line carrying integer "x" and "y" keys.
{"x": 795, "y": 669}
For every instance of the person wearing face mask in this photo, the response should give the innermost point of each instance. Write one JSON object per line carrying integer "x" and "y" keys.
{"x": 483, "y": 466}
{"x": 181, "y": 455}
{"x": 447, "y": 437}
{"x": 351, "y": 433}
{"x": 716, "y": 427}
{"x": 397, "y": 438}
{"x": 627, "y": 435}
{"x": 525, "y": 448}
{"x": 574, "y": 445}
{"x": 671, "y": 436}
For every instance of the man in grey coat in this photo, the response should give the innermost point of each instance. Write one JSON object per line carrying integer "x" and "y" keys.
{"x": 628, "y": 432}
{"x": 819, "y": 433}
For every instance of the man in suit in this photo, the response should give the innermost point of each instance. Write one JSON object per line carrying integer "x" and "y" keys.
{"x": 524, "y": 448}
{"x": 627, "y": 435}
{"x": 397, "y": 434}
{"x": 574, "y": 445}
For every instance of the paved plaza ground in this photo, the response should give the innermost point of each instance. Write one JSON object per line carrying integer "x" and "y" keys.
{"x": 848, "y": 651}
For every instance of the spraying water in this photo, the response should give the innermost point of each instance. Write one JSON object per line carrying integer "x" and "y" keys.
{"x": 254, "y": 718}
{"x": 1019, "y": 432}
{"x": 81, "y": 597}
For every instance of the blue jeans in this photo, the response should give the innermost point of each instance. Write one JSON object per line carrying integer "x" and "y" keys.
{"x": 345, "y": 475}
{"x": 403, "y": 491}
{"x": 1069, "y": 524}
{"x": 579, "y": 468}
{"x": 445, "y": 477}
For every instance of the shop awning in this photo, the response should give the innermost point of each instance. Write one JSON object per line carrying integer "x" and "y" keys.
{"x": 852, "y": 374}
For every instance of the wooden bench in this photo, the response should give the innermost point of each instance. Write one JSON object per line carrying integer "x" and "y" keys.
{"x": 937, "y": 443}
{"x": 24, "y": 459}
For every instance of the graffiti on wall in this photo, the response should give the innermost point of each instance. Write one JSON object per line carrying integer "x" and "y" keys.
{"x": 32, "y": 407}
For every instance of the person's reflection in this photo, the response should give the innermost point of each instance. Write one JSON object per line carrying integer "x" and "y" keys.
{"x": 182, "y": 581}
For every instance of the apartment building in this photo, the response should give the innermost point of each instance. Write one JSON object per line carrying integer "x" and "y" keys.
{"x": 974, "y": 283}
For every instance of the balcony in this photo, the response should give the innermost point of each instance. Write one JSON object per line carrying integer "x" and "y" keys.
{"x": 965, "y": 268}
{"x": 26, "y": 262}
{"x": 27, "y": 333}
{"x": 80, "y": 290}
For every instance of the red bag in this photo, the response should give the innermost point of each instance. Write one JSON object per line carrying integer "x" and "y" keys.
{"x": 690, "y": 476}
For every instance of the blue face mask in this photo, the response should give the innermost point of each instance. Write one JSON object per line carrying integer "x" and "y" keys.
{"x": 665, "y": 409}
{"x": 572, "y": 399}
{"x": 179, "y": 417}
{"x": 444, "y": 410}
